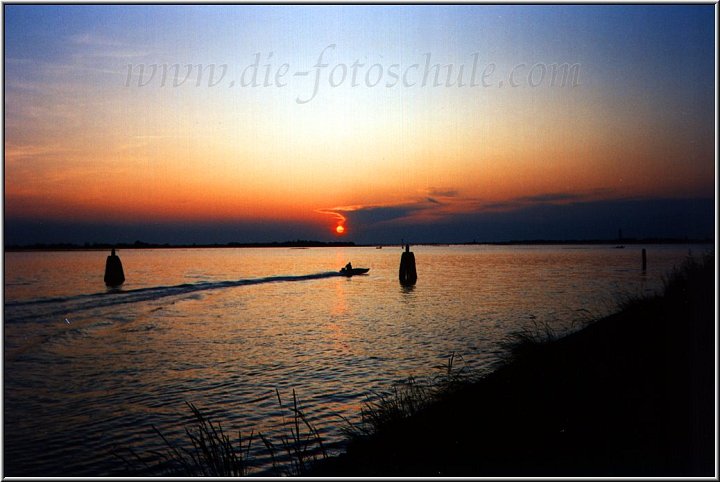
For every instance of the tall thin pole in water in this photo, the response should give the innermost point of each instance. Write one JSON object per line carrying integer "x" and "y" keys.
{"x": 644, "y": 260}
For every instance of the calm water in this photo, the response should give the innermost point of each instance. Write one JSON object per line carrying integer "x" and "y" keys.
{"x": 87, "y": 370}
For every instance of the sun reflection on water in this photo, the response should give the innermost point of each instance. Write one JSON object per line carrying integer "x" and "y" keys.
{"x": 115, "y": 370}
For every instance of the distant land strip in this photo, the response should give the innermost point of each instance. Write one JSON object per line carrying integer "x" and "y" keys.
{"x": 143, "y": 245}
{"x": 342, "y": 244}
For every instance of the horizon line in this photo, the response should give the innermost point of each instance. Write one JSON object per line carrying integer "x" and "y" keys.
{"x": 319, "y": 244}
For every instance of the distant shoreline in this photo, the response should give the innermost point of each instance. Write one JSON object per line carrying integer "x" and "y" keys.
{"x": 344, "y": 244}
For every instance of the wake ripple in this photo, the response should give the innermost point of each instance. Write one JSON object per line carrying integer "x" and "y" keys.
{"x": 60, "y": 305}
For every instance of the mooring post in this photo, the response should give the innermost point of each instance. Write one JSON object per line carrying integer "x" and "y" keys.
{"x": 644, "y": 260}
{"x": 114, "y": 275}
{"x": 408, "y": 272}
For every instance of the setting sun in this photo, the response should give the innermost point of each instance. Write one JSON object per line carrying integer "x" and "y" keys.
{"x": 177, "y": 181}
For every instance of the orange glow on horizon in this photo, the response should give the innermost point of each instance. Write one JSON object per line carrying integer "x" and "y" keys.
{"x": 109, "y": 152}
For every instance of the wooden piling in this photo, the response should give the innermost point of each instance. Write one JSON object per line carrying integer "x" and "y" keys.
{"x": 644, "y": 260}
{"x": 408, "y": 271}
{"x": 114, "y": 275}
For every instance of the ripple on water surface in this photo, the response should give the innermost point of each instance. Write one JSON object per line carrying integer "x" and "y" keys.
{"x": 226, "y": 328}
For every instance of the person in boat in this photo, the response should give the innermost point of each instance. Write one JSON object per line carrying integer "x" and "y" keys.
{"x": 348, "y": 267}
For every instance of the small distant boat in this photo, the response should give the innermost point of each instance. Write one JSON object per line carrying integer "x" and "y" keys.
{"x": 353, "y": 271}
{"x": 378, "y": 247}
{"x": 619, "y": 247}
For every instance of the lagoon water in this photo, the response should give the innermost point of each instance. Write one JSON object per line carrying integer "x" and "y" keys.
{"x": 88, "y": 370}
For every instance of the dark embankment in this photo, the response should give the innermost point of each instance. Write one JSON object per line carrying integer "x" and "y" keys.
{"x": 629, "y": 395}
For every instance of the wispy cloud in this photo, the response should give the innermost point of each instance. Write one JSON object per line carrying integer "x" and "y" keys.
{"x": 335, "y": 212}
{"x": 18, "y": 152}
{"x": 371, "y": 215}
{"x": 91, "y": 45}
{"x": 446, "y": 205}
{"x": 435, "y": 192}
{"x": 93, "y": 39}
{"x": 548, "y": 198}
{"x": 552, "y": 197}
{"x": 88, "y": 56}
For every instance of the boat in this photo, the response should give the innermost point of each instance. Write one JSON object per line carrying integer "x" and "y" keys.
{"x": 353, "y": 271}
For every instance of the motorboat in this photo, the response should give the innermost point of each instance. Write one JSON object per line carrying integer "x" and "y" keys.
{"x": 353, "y": 271}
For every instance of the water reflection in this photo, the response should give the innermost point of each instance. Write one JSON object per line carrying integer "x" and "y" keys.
{"x": 408, "y": 299}
{"x": 340, "y": 303}
{"x": 227, "y": 344}
{"x": 407, "y": 289}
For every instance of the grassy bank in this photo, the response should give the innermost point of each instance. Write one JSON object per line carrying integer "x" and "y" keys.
{"x": 630, "y": 395}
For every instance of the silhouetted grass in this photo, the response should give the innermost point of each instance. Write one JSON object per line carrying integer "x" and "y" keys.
{"x": 688, "y": 282}
{"x": 692, "y": 278}
{"x": 213, "y": 454}
{"x": 300, "y": 442}
{"x": 628, "y": 395}
{"x": 527, "y": 342}
{"x": 408, "y": 397}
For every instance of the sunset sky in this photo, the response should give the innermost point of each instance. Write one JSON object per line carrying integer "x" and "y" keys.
{"x": 97, "y": 150}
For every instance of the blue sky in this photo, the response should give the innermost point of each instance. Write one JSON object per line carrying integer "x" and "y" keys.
{"x": 84, "y": 148}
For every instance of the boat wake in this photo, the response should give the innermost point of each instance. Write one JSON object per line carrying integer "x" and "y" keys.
{"x": 20, "y": 311}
